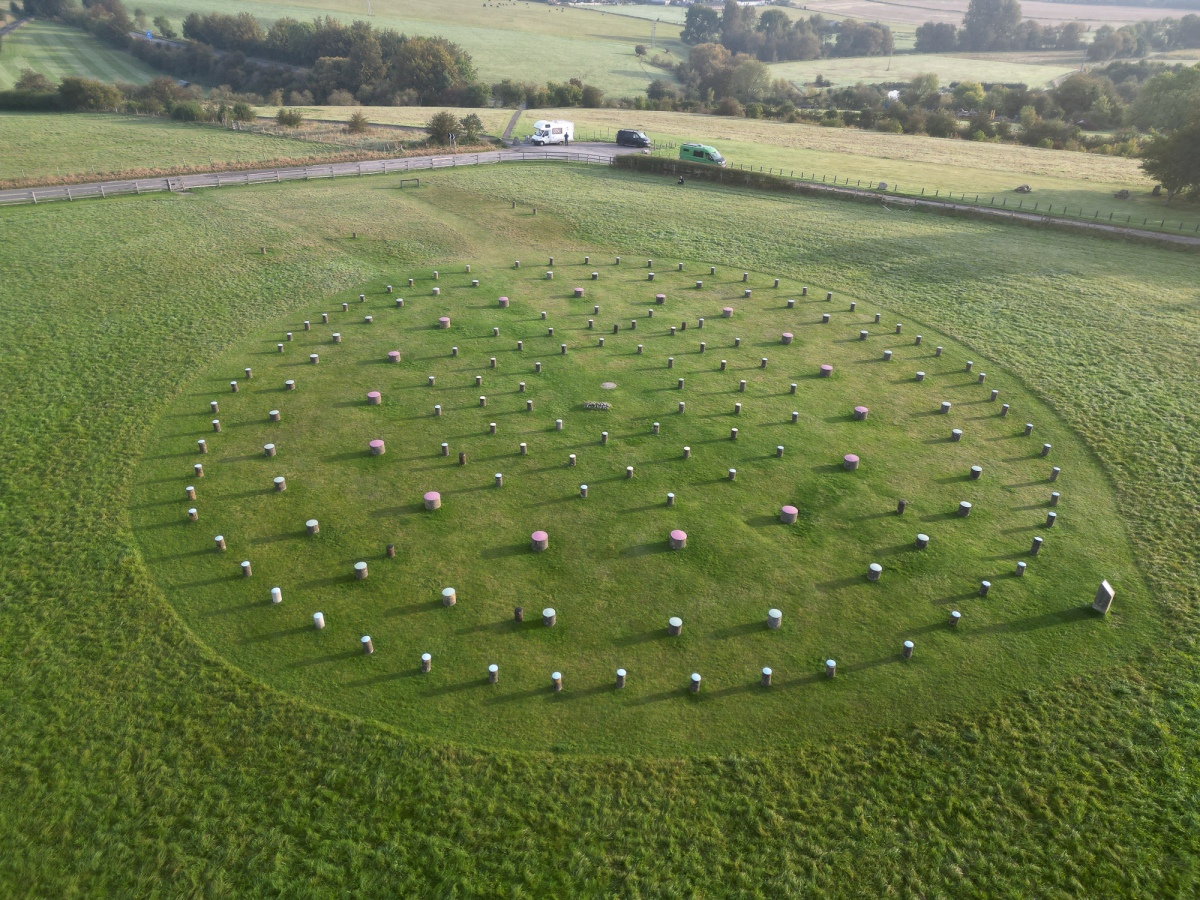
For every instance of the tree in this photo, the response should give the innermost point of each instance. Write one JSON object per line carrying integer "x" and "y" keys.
{"x": 472, "y": 128}
{"x": 358, "y": 124}
{"x": 701, "y": 25}
{"x": 937, "y": 37}
{"x": 83, "y": 93}
{"x": 923, "y": 86}
{"x": 969, "y": 95}
{"x": 1078, "y": 93}
{"x": 1174, "y": 160}
{"x": 991, "y": 24}
{"x": 289, "y": 118}
{"x": 165, "y": 28}
{"x": 1168, "y": 99}
{"x": 34, "y": 82}
{"x": 441, "y": 125}
{"x": 592, "y": 97}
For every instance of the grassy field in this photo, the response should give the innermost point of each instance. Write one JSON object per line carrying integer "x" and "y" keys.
{"x": 41, "y": 145}
{"x": 914, "y": 163}
{"x": 1006, "y": 68}
{"x": 494, "y": 120}
{"x": 523, "y": 41}
{"x": 139, "y": 762}
{"x": 55, "y": 51}
{"x": 605, "y": 572}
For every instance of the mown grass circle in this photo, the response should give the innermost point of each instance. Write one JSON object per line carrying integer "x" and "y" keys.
{"x": 453, "y": 427}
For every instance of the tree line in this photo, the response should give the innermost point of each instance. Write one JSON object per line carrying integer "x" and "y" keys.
{"x": 996, "y": 25}
{"x": 318, "y": 59}
{"x": 773, "y": 36}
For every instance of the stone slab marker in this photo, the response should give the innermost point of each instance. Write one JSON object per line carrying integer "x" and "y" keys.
{"x": 549, "y": 617}
{"x": 219, "y": 542}
{"x": 280, "y": 483}
{"x": 360, "y": 570}
{"x": 368, "y": 646}
{"x": 493, "y": 673}
{"x": 276, "y": 595}
{"x": 830, "y": 668}
{"x": 449, "y": 596}
{"x": 620, "y": 678}
{"x": 774, "y": 618}
{"x": 318, "y": 620}
{"x": 907, "y": 652}
{"x": 426, "y": 662}
{"x": 694, "y": 683}
{"x": 922, "y": 541}
{"x": 874, "y": 571}
{"x": 674, "y": 626}
{"x": 312, "y": 526}
{"x": 964, "y": 508}
{"x": 955, "y": 618}
{"x": 556, "y": 682}
{"x": 1104, "y": 598}
{"x": 198, "y": 470}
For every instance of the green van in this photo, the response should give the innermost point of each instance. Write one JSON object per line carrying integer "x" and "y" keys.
{"x": 701, "y": 153}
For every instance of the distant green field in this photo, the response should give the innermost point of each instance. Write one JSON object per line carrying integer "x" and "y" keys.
{"x": 916, "y": 163}
{"x": 1007, "y": 68}
{"x": 55, "y": 50}
{"x": 37, "y": 145}
{"x": 522, "y": 41}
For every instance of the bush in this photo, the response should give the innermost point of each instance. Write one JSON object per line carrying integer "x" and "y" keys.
{"x": 341, "y": 98}
{"x": 289, "y": 118}
{"x": 358, "y": 124}
{"x": 729, "y": 106}
{"x": 441, "y": 125}
{"x": 243, "y": 112}
{"x": 187, "y": 112}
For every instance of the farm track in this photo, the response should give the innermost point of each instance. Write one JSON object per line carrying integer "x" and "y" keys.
{"x": 585, "y": 153}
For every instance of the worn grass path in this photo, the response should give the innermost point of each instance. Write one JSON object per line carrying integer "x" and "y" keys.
{"x": 137, "y": 763}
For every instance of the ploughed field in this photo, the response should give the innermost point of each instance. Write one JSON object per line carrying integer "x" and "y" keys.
{"x": 615, "y": 403}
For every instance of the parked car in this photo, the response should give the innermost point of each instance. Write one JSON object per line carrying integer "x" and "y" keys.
{"x": 628, "y": 137}
{"x": 701, "y": 153}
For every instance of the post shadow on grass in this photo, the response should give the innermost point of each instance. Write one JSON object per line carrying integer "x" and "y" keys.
{"x": 941, "y": 517}
{"x": 381, "y": 679}
{"x": 426, "y": 606}
{"x": 457, "y": 687}
{"x": 763, "y": 521}
{"x": 324, "y": 660}
{"x": 505, "y": 550}
{"x": 945, "y": 439}
{"x": 274, "y": 635}
{"x": 895, "y": 550}
{"x": 837, "y": 584}
{"x": 953, "y": 479}
{"x": 408, "y": 509}
{"x": 646, "y": 549}
{"x": 1069, "y": 616}
{"x": 578, "y": 693}
{"x": 870, "y": 664}
{"x": 517, "y": 696}
{"x": 736, "y": 631}
{"x": 329, "y": 581}
{"x": 642, "y": 637}
{"x": 828, "y": 468}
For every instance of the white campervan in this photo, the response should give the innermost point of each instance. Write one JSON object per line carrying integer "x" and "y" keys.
{"x": 552, "y": 132}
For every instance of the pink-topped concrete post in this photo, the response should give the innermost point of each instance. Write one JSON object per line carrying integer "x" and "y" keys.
{"x": 860, "y": 412}
{"x": 444, "y": 322}
{"x": 539, "y": 541}
{"x": 826, "y": 371}
{"x": 433, "y": 500}
{"x": 787, "y": 338}
{"x": 578, "y": 292}
{"x": 678, "y": 539}
{"x": 374, "y": 398}
{"x": 394, "y": 356}
{"x": 788, "y": 515}
{"x": 504, "y": 303}
{"x": 727, "y": 312}
{"x": 850, "y": 462}
{"x": 377, "y": 448}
